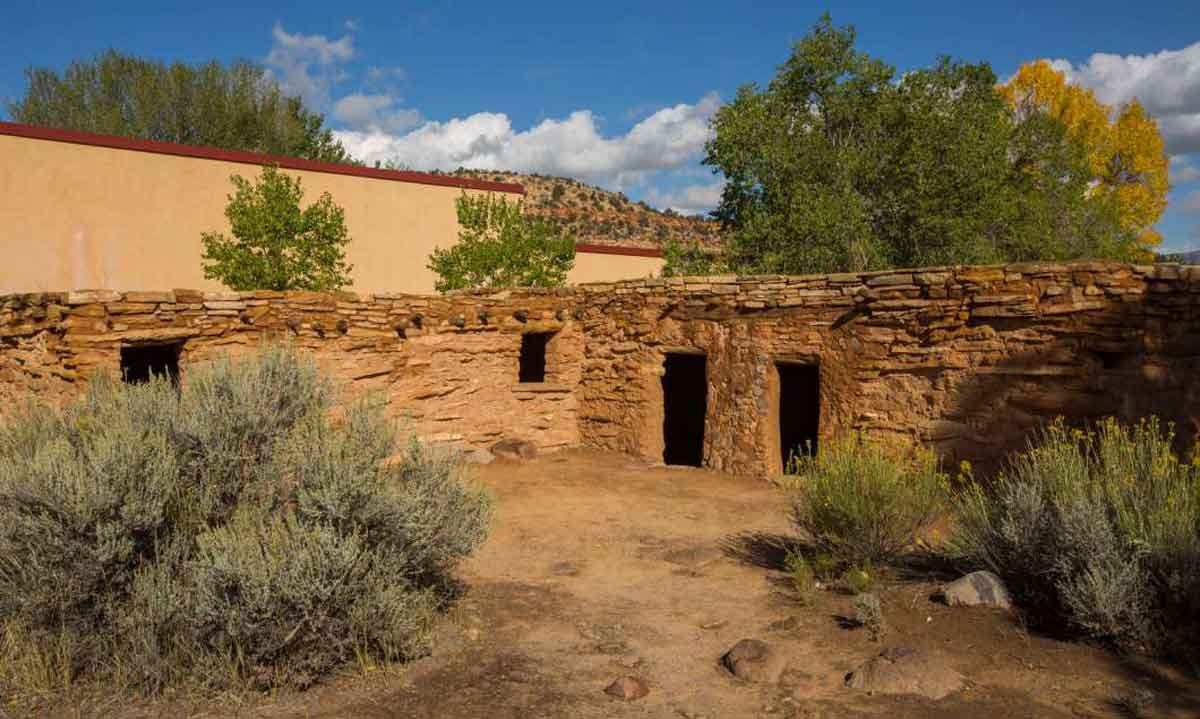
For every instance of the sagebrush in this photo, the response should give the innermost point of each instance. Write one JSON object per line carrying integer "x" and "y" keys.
{"x": 1096, "y": 528}
{"x": 865, "y": 502}
{"x": 225, "y": 533}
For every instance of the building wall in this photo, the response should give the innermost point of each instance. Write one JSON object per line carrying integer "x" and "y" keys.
{"x": 969, "y": 360}
{"x": 88, "y": 211}
{"x": 601, "y": 264}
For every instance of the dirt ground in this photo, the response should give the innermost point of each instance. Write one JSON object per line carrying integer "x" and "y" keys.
{"x": 600, "y": 566}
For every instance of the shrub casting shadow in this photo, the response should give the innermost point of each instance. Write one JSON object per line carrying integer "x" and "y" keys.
{"x": 764, "y": 550}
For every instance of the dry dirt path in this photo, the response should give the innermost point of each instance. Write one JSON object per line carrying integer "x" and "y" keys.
{"x": 600, "y": 566}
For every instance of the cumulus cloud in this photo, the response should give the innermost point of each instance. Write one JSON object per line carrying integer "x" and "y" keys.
{"x": 308, "y": 65}
{"x": 690, "y": 200}
{"x": 573, "y": 146}
{"x": 375, "y": 113}
{"x": 1167, "y": 83}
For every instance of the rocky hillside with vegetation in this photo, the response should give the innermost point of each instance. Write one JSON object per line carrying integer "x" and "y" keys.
{"x": 601, "y": 217}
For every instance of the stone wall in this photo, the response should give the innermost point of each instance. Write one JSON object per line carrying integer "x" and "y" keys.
{"x": 969, "y": 359}
{"x": 449, "y": 364}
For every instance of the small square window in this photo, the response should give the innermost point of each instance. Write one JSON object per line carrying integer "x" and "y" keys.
{"x": 140, "y": 363}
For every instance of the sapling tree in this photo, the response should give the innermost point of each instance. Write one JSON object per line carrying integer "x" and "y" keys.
{"x": 276, "y": 244}
{"x": 499, "y": 245}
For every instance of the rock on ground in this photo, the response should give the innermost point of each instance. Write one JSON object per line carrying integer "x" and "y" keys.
{"x": 752, "y": 660}
{"x": 900, "y": 670}
{"x": 514, "y": 449}
{"x": 628, "y": 689}
{"x": 977, "y": 589}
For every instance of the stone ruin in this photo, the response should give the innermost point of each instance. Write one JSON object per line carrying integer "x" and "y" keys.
{"x": 722, "y": 372}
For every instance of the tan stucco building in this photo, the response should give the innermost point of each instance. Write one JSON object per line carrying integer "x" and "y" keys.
{"x": 83, "y": 210}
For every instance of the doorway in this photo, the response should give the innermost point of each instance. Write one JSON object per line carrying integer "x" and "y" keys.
{"x": 685, "y": 402}
{"x": 532, "y": 360}
{"x": 799, "y": 409}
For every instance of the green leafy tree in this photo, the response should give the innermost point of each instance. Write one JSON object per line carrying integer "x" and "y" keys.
{"x": 234, "y": 107}
{"x": 501, "y": 246}
{"x": 838, "y": 165}
{"x": 276, "y": 244}
{"x": 683, "y": 260}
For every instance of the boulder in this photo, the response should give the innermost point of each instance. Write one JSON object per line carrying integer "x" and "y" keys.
{"x": 752, "y": 660}
{"x": 900, "y": 670}
{"x": 627, "y": 689}
{"x": 977, "y": 589}
{"x": 516, "y": 449}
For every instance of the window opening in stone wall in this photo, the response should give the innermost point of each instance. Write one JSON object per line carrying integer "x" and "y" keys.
{"x": 533, "y": 356}
{"x": 685, "y": 402}
{"x": 139, "y": 363}
{"x": 799, "y": 409}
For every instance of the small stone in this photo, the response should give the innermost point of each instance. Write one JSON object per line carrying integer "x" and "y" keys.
{"x": 714, "y": 624}
{"x": 752, "y": 660}
{"x": 900, "y": 670}
{"x": 627, "y": 689}
{"x": 977, "y": 589}
{"x": 514, "y": 449}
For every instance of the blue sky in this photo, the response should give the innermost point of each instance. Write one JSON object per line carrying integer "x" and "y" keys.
{"x": 616, "y": 94}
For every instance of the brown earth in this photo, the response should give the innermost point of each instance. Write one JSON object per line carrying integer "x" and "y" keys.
{"x": 601, "y": 566}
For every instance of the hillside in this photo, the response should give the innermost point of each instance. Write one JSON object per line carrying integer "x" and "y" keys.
{"x": 601, "y": 217}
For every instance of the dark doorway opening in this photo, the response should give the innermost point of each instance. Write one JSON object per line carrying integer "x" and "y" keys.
{"x": 799, "y": 409}
{"x": 140, "y": 363}
{"x": 533, "y": 357}
{"x": 685, "y": 402}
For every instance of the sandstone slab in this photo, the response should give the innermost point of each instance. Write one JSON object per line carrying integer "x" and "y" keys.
{"x": 901, "y": 670}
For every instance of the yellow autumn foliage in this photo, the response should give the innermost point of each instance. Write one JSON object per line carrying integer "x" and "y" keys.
{"x": 1124, "y": 148}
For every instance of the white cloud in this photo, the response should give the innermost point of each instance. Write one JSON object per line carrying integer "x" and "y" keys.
{"x": 375, "y": 113}
{"x": 689, "y": 200}
{"x": 1167, "y": 83}
{"x": 1182, "y": 170}
{"x": 572, "y": 146}
{"x": 308, "y": 65}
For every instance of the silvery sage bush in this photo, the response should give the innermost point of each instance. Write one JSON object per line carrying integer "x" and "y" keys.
{"x": 232, "y": 531}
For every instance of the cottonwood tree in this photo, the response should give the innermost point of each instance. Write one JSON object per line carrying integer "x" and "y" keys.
{"x": 839, "y": 165}
{"x": 499, "y": 245}
{"x": 1124, "y": 149}
{"x": 234, "y": 107}
{"x": 276, "y": 244}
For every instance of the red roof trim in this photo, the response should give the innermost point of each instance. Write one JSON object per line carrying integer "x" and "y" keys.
{"x": 617, "y": 250}
{"x": 249, "y": 158}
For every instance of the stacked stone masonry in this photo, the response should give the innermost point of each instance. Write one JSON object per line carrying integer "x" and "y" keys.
{"x": 966, "y": 359}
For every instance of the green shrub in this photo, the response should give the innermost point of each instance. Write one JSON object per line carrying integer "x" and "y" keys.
{"x": 801, "y": 575}
{"x": 863, "y": 502}
{"x": 868, "y": 614}
{"x": 230, "y": 533}
{"x": 1097, "y": 528}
